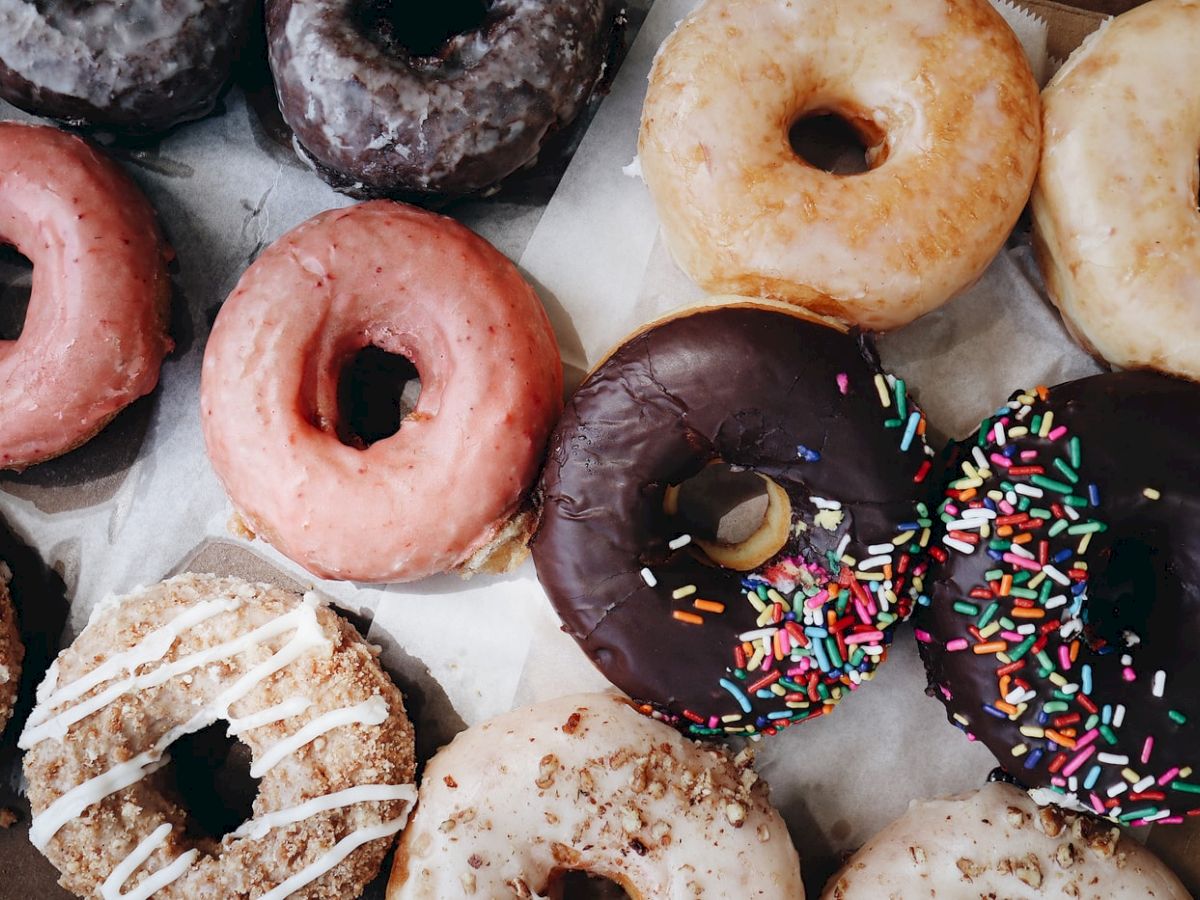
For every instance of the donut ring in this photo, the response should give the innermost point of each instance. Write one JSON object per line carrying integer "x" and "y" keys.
{"x": 95, "y": 329}
{"x": 953, "y": 150}
{"x": 411, "y": 283}
{"x": 1070, "y": 653}
{"x": 326, "y": 728}
{"x": 1117, "y": 232}
{"x": 135, "y": 66}
{"x": 996, "y": 842}
{"x": 762, "y": 388}
{"x": 586, "y": 784}
{"x": 378, "y": 120}
{"x": 12, "y": 651}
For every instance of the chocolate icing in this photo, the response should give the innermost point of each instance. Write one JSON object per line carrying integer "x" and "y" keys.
{"x": 751, "y": 386}
{"x": 135, "y": 66}
{"x": 379, "y": 120}
{"x": 1136, "y": 431}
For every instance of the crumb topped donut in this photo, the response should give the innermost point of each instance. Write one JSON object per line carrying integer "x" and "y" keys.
{"x": 94, "y": 335}
{"x": 295, "y": 683}
{"x": 12, "y": 651}
{"x": 381, "y": 115}
{"x": 733, "y": 517}
{"x": 444, "y": 492}
{"x": 129, "y": 65}
{"x": 938, "y": 90}
{"x": 1115, "y": 206}
{"x": 1066, "y": 599}
{"x": 586, "y": 784}
{"x": 996, "y": 842}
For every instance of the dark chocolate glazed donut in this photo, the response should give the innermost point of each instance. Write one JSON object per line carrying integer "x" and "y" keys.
{"x": 1065, "y": 619}
{"x": 713, "y": 650}
{"x": 135, "y": 66}
{"x": 383, "y": 111}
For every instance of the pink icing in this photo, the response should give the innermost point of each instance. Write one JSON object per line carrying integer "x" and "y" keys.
{"x": 95, "y": 329}
{"x": 409, "y": 282}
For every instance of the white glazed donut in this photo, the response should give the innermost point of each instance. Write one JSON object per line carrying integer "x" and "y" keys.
{"x": 1115, "y": 206}
{"x": 939, "y": 90}
{"x": 996, "y": 842}
{"x": 585, "y": 783}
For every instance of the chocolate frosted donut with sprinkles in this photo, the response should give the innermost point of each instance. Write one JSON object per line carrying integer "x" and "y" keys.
{"x": 1065, "y": 609}
{"x": 733, "y": 517}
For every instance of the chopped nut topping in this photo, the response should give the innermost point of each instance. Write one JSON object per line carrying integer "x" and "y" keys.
{"x": 547, "y": 768}
{"x": 735, "y": 813}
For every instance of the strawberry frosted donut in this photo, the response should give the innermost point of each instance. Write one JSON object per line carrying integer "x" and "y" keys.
{"x": 446, "y": 490}
{"x": 938, "y": 90}
{"x": 95, "y": 330}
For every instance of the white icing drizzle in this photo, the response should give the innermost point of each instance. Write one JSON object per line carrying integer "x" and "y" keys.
{"x": 256, "y": 829}
{"x": 370, "y": 712}
{"x": 111, "y": 889}
{"x": 335, "y": 855}
{"x": 292, "y": 706}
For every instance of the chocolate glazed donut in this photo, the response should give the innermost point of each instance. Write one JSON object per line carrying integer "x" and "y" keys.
{"x": 1066, "y": 604}
{"x": 135, "y": 66}
{"x": 386, "y": 107}
{"x": 749, "y": 387}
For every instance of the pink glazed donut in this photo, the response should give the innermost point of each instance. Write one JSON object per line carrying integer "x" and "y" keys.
{"x": 445, "y": 490}
{"x": 95, "y": 330}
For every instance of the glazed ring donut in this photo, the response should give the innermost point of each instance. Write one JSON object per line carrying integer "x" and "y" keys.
{"x": 586, "y": 784}
{"x": 12, "y": 651}
{"x": 130, "y": 65}
{"x": 1115, "y": 209}
{"x": 939, "y": 90}
{"x": 325, "y": 726}
{"x": 996, "y": 842}
{"x": 380, "y": 120}
{"x": 95, "y": 329}
{"x": 1066, "y": 606}
{"x": 676, "y": 436}
{"x": 443, "y": 492}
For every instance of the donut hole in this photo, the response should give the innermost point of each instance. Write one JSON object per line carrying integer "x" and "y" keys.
{"x": 209, "y": 777}
{"x": 575, "y": 885}
{"x": 838, "y": 144}
{"x": 418, "y": 29}
{"x": 376, "y": 391}
{"x": 16, "y": 285}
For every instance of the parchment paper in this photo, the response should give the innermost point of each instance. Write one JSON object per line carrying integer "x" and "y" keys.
{"x": 141, "y": 502}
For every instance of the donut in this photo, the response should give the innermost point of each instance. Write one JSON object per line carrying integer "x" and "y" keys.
{"x": 996, "y": 842}
{"x": 586, "y": 784}
{"x": 733, "y": 517}
{"x": 1066, "y": 594}
{"x": 325, "y": 726}
{"x": 134, "y": 66}
{"x": 440, "y": 103}
{"x": 1116, "y": 231}
{"x": 446, "y": 490}
{"x": 12, "y": 651}
{"x": 953, "y": 148}
{"x": 95, "y": 331}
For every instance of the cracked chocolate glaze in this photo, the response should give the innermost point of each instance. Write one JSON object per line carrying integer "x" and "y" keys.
{"x": 135, "y": 66}
{"x": 749, "y": 385}
{"x": 1139, "y": 594}
{"x": 378, "y": 120}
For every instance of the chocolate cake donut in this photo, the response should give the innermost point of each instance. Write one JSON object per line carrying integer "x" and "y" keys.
{"x": 134, "y": 66}
{"x": 389, "y": 100}
{"x": 721, "y": 608}
{"x": 1066, "y": 605}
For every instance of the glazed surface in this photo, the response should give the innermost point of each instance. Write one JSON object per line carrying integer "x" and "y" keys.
{"x": 1064, "y": 618}
{"x": 954, "y": 149}
{"x": 413, "y": 284}
{"x": 766, "y": 390}
{"x": 130, "y": 65}
{"x": 95, "y": 330}
{"x": 1115, "y": 208}
{"x": 380, "y": 121}
{"x": 585, "y": 783}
